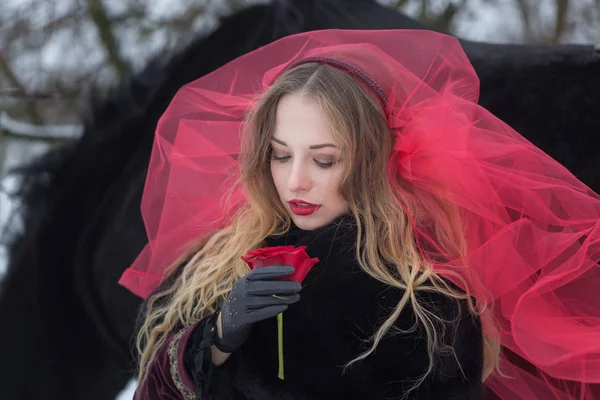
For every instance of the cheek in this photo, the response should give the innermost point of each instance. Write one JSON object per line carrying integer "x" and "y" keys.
{"x": 276, "y": 175}
{"x": 332, "y": 184}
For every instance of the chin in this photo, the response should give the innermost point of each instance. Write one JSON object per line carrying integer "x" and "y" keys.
{"x": 310, "y": 222}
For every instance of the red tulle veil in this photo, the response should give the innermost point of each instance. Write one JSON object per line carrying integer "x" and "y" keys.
{"x": 530, "y": 228}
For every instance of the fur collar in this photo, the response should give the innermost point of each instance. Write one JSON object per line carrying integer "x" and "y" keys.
{"x": 340, "y": 309}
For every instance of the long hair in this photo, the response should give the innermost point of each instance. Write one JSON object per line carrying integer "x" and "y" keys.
{"x": 378, "y": 199}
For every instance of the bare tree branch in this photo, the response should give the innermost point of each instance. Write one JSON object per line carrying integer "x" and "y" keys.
{"x": 18, "y": 93}
{"x": 49, "y": 133}
{"x": 560, "y": 25}
{"x": 440, "y": 21}
{"x": 3, "y": 151}
{"x": 423, "y": 12}
{"x": 69, "y": 19}
{"x": 181, "y": 22}
{"x": 103, "y": 24}
{"x": 524, "y": 10}
{"x": 18, "y": 28}
{"x": 15, "y": 81}
{"x": 444, "y": 21}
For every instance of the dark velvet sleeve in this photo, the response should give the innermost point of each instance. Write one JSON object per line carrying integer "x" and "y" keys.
{"x": 167, "y": 377}
{"x": 183, "y": 366}
{"x": 198, "y": 359}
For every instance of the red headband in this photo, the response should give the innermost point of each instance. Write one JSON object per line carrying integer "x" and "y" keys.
{"x": 370, "y": 82}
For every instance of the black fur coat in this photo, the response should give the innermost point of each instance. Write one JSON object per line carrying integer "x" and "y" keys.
{"x": 340, "y": 308}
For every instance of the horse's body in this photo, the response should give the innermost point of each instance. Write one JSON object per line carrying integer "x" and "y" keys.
{"x": 68, "y": 324}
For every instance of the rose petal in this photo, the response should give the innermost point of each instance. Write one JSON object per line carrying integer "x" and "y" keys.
{"x": 282, "y": 255}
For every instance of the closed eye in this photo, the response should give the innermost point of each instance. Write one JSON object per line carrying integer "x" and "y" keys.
{"x": 324, "y": 165}
{"x": 280, "y": 159}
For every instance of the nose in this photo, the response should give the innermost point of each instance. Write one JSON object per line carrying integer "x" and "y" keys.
{"x": 299, "y": 178}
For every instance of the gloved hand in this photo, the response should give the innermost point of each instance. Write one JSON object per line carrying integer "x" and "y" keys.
{"x": 255, "y": 297}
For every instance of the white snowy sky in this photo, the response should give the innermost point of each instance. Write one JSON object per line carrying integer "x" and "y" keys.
{"x": 74, "y": 50}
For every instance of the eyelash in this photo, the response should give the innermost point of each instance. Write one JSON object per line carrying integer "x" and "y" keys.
{"x": 319, "y": 164}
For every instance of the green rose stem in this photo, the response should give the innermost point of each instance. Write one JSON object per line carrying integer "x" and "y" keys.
{"x": 280, "y": 344}
{"x": 281, "y": 255}
{"x": 280, "y": 373}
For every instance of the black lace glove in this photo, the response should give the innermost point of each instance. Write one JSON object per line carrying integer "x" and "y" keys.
{"x": 255, "y": 297}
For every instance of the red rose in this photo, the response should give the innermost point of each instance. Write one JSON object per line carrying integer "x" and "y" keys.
{"x": 282, "y": 255}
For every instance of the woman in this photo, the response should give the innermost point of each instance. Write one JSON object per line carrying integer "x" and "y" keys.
{"x": 432, "y": 229}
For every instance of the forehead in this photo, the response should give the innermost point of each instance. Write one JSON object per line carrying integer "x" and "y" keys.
{"x": 300, "y": 121}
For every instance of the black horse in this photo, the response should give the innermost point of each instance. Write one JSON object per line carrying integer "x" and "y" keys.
{"x": 68, "y": 324}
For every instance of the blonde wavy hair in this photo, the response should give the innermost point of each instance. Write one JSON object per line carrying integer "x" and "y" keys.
{"x": 376, "y": 198}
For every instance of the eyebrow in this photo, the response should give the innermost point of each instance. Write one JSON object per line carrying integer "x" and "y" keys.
{"x": 314, "y": 147}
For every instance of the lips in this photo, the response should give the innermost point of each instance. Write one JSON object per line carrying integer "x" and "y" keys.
{"x": 301, "y": 207}
{"x": 302, "y": 203}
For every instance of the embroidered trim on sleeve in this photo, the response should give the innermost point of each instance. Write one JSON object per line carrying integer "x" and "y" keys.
{"x": 186, "y": 393}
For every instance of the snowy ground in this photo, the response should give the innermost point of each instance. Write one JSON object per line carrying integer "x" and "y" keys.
{"x": 127, "y": 393}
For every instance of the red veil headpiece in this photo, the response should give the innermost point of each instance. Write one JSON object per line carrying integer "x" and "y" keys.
{"x": 531, "y": 229}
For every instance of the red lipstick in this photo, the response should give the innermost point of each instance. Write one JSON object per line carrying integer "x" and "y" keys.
{"x": 301, "y": 207}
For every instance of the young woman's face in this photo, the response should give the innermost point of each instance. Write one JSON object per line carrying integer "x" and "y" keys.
{"x": 306, "y": 164}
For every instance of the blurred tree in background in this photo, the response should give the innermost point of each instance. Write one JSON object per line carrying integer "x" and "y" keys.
{"x": 54, "y": 52}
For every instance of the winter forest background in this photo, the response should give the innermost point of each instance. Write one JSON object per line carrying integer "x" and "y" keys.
{"x": 55, "y": 53}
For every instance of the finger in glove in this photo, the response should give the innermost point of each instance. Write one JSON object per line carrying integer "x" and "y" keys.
{"x": 270, "y": 272}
